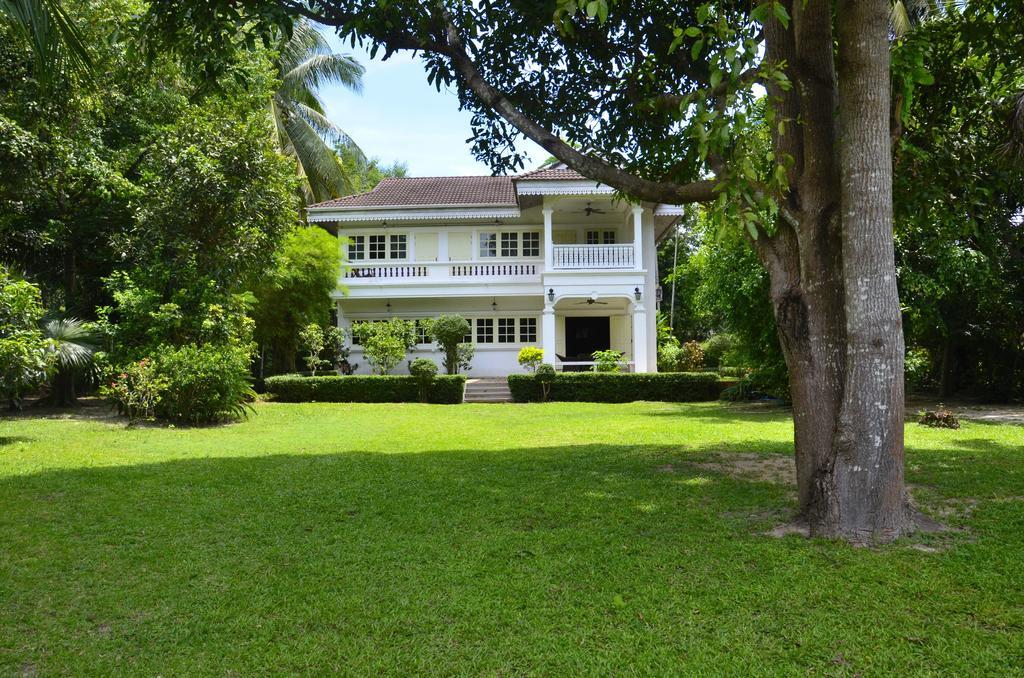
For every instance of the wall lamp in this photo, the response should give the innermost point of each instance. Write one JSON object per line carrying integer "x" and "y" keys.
{"x": 551, "y": 294}
{"x": 494, "y": 304}
{"x": 388, "y": 306}
{"x": 636, "y": 293}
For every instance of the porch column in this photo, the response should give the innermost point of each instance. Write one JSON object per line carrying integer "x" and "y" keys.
{"x": 639, "y": 338}
{"x": 547, "y": 333}
{"x": 638, "y": 237}
{"x": 549, "y": 249}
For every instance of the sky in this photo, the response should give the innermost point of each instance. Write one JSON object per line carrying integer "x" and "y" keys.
{"x": 399, "y": 117}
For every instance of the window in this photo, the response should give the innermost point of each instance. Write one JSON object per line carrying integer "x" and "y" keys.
{"x": 510, "y": 244}
{"x": 531, "y": 244}
{"x": 506, "y": 330}
{"x": 527, "y": 330}
{"x": 356, "y": 247}
{"x": 422, "y": 337}
{"x": 398, "y": 246}
{"x": 488, "y": 245}
{"x": 600, "y": 237}
{"x": 377, "y": 247}
{"x": 468, "y": 339}
{"x": 485, "y": 330}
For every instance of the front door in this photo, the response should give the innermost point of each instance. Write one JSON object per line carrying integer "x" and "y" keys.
{"x": 586, "y": 334}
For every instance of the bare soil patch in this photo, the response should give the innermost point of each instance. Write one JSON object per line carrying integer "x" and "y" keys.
{"x": 765, "y": 468}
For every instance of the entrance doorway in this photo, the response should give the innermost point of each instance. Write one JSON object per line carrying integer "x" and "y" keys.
{"x": 586, "y": 334}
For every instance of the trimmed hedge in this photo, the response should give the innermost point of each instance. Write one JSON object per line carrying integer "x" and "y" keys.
{"x": 602, "y": 387}
{"x": 293, "y": 388}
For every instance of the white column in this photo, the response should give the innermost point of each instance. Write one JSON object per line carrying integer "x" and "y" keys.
{"x": 639, "y": 338}
{"x": 638, "y": 237}
{"x": 547, "y": 333}
{"x": 549, "y": 247}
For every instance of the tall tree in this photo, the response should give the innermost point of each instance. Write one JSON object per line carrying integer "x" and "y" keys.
{"x": 304, "y": 133}
{"x": 654, "y": 99}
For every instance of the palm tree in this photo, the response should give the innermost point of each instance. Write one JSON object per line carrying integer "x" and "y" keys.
{"x": 56, "y": 43}
{"x": 71, "y": 348}
{"x": 303, "y": 131}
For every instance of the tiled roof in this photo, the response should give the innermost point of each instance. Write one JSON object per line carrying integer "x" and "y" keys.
{"x": 423, "y": 191}
{"x": 550, "y": 173}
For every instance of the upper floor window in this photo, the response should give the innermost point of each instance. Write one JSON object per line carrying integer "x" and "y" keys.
{"x": 488, "y": 245}
{"x": 356, "y": 247}
{"x": 531, "y": 244}
{"x": 601, "y": 237}
{"x": 510, "y": 244}
{"x": 378, "y": 247}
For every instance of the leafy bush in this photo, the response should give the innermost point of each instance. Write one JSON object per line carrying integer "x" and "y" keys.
{"x": 385, "y": 343}
{"x": 24, "y": 361}
{"x": 293, "y": 388}
{"x": 604, "y": 387}
{"x": 315, "y": 341}
{"x": 669, "y": 355}
{"x": 918, "y": 367}
{"x": 464, "y": 353}
{"x": 717, "y": 349}
{"x": 449, "y": 331}
{"x": 607, "y": 361}
{"x": 940, "y": 418}
{"x": 204, "y": 383}
{"x": 691, "y": 356}
{"x": 545, "y": 376}
{"x": 136, "y": 389}
{"x": 424, "y": 370}
{"x": 530, "y": 357}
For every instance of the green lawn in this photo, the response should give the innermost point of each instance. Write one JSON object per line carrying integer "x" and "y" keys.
{"x": 488, "y": 539}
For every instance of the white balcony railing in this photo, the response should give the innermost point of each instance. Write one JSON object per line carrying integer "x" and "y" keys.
{"x": 511, "y": 271}
{"x": 593, "y": 256}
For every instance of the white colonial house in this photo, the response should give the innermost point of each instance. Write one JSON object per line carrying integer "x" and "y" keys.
{"x": 547, "y": 258}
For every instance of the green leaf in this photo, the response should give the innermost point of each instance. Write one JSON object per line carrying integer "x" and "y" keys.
{"x": 693, "y": 32}
{"x": 781, "y": 14}
{"x": 752, "y": 230}
{"x": 592, "y": 8}
{"x": 695, "y": 50}
{"x": 716, "y": 78}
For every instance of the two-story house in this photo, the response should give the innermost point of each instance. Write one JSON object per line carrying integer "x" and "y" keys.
{"x": 547, "y": 258}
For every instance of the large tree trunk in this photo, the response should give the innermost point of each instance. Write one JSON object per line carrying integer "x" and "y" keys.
{"x": 833, "y": 273}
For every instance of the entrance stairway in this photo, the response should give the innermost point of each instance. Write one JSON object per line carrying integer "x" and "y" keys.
{"x": 487, "y": 390}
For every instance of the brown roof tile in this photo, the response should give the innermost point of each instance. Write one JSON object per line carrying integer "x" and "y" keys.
{"x": 422, "y": 191}
{"x": 550, "y": 173}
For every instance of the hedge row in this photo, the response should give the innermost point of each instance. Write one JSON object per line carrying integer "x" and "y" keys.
{"x": 606, "y": 387}
{"x": 293, "y": 388}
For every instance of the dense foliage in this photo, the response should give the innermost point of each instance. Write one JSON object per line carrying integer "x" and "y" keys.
{"x": 23, "y": 348}
{"x": 293, "y": 388}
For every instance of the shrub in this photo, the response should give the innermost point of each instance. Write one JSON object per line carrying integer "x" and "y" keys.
{"x": 24, "y": 361}
{"x": 545, "y": 376}
{"x": 464, "y": 357}
{"x": 205, "y": 383}
{"x": 385, "y": 343}
{"x": 717, "y": 349}
{"x": 292, "y": 388}
{"x": 136, "y": 389}
{"x": 449, "y": 331}
{"x": 940, "y": 418}
{"x": 616, "y": 387}
{"x": 423, "y": 370}
{"x": 918, "y": 367}
{"x": 691, "y": 357}
{"x": 607, "y": 361}
{"x": 530, "y": 357}
{"x": 316, "y": 340}
{"x": 669, "y": 355}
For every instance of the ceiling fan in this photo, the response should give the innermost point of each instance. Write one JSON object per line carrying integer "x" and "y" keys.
{"x": 588, "y": 210}
{"x": 591, "y": 300}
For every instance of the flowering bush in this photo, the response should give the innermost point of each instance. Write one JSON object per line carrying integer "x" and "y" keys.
{"x": 136, "y": 389}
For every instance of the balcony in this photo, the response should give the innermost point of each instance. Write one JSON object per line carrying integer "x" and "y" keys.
{"x": 468, "y": 271}
{"x": 583, "y": 257}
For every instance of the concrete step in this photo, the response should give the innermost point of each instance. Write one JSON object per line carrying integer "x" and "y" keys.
{"x": 487, "y": 390}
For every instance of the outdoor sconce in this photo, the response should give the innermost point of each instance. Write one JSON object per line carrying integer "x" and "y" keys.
{"x": 494, "y": 305}
{"x": 551, "y": 294}
{"x": 388, "y": 306}
{"x": 636, "y": 293}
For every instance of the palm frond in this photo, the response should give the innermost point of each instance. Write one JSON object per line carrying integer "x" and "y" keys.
{"x": 334, "y": 135}
{"x": 70, "y": 341}
{"x": 318, "y": 162}
{"x": 56, "y": 42}
{"x": 323, "y": 69}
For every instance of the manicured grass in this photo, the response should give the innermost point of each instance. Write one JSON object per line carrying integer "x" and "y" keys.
{"x": 491, "y": 539}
